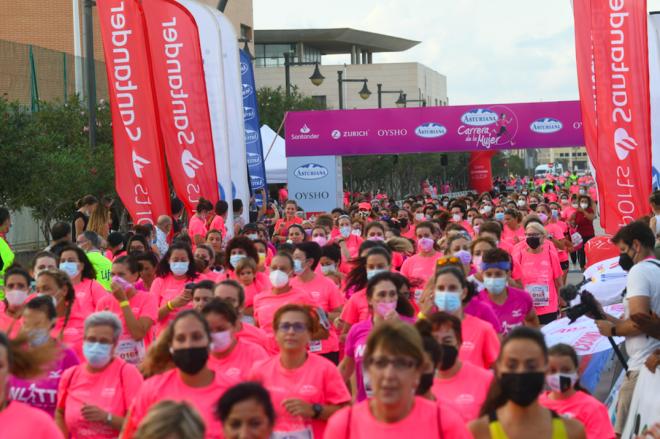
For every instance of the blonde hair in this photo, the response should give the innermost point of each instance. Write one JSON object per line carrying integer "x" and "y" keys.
{"x": 537, "y": 227}
{"x": 172, "y": 420}
{"x": 245, "y": 263}
{"x": 99, "y": 221}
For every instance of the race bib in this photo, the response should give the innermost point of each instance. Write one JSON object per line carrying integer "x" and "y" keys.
{"x": 129, "y": 350}
{"x": 540, "y": 294}
{"x": 315, "y": 346}
{"x": 305, "y": 433}
{"x": 418, "y": 295}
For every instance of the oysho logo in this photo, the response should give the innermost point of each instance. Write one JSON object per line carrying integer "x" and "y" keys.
{"x": 247, "y": 90}
{"x": 479, "y": 117}
{"x": 253, "y": 159}
{"x": 311, "y": 171}
{"x": 190, "y": 164}
{"x": 393, "y": 132}
{"x": 623, "y": 143}
{"x": 249, "y": 113}
{"x": 251, "y": 136}
{"x": 138, "y": 164}
{"x": 244, "y": 68}
{"x": 546, "y": 125}
{"x": 305, "y": 134}
{"x": 336, "y": 134}
{"x": 430, "y": 130}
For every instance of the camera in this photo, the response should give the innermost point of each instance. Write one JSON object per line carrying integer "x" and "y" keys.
{"x": 588, "y": 303}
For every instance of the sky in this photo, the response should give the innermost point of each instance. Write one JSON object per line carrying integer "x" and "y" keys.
{"x": 492, "y": 51}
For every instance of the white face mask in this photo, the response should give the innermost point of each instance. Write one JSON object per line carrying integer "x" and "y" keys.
{"x": 16, "y": 297}
{"x": 561, "y": 382}
{"x": 278, "y": 278}
{"x": 179, "y": 268}
{"x": 328, "y": 268}
{"x": 584, "y": 205}
{"x": 457, "y": 217}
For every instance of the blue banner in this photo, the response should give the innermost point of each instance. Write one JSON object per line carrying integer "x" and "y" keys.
{"x": 253, "y": 148}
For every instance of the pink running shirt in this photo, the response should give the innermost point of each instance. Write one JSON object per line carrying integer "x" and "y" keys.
{"x": 467, "y": 389}
{"x": 480, "y": 342}
{"x": 585, "y": 408}
{"x": 19, "y": 420}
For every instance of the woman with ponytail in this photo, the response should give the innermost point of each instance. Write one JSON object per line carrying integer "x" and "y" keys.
{"x": 19, "y": 360}
{"x": 512, "y": 408}
{"x": 569, "y": 399}
{"x": 58, "y": 286}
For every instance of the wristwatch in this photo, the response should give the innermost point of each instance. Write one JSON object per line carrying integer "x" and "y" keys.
{"x": 317, "y": 409}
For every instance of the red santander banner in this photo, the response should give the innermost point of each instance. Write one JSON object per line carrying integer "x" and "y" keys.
{"x": 178, "y": 78}
{"x": 613, "y": 33}
{"x": 140, "y": 176}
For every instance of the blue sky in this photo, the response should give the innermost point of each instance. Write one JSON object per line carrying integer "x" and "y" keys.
{"x": 491, "y": 50}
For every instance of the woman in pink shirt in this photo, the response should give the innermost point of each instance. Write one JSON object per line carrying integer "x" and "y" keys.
{"x": 246, "y": 411}
{"x": 137, "y": 310}
{"x": 204, "y": 258}
{"x": 94, "y": 397}
{"x": 348, "y": 241}
{"x": 214, "y": 239}
{"x": 230, "y": 358}
{"x": 197, "y": 226}
{"x": 513, "y": 306}
{"x": 185, "y": 344}
{"x": 395, "y": 359}
{"x": 74, "y": 262}
{"x": 218, "y": 222}
{"x": 38, "y": 319}
{"x": 462, "y": 383}
{"x": 306, "y": 388}
{"x": 175, "y": 270}
{"x": 536, "y": 268}
{"x": 246, "y": 275}
{"x": 19, "y": 420}
{"x": 282, "y": 293}
{"x": 419, "y": 267}
{"x": 239, "y": 248}
{"x": 16, "y": 287}
{"x": 446, "y": 292}
{"x": 513, "y": 232}
{"x": 567, "y": 398}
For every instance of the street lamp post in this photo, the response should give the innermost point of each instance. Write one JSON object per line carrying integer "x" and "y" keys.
{"x": 316, "y": 78}
{"x": 90, "y": 74}
{"x": 381, "y": 92}
{"x": 404, "y": 100}
{"x": 364, "y": 91}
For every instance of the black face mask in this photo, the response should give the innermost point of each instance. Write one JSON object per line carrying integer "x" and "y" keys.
{"x": 449, "y": 356}
{"x": 425, "y": 383}
{"x": 403, "y": 222}
{"x": 201, "y": 264}
{"x": 190, "y": 360}
{"x": 626, "y": 262}
{"x": 533, "y": 206}
{"x": 522, "y": 388}
{"x": 533, "y": 242}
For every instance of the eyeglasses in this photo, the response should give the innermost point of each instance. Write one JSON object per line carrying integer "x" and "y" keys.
{"x": 298, "y": 327}
{"x": 448, "y": 261}
{"x": 399, "y": 363}
{"x": 533, "y": 235}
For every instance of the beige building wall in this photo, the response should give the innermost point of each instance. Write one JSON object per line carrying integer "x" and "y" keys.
{"x": 412, "y": 78}
{"x": 575, "y": 157}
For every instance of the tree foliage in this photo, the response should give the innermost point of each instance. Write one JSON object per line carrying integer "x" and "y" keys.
{"x": 47, "y": 163}
{"x": 273, "y": 104}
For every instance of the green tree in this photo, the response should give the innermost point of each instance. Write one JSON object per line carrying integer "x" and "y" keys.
{"x": 47, "y": 164}
{"x": 273, "y": 104}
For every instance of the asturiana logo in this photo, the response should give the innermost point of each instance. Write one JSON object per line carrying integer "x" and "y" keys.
{"x": 253, "y": 159}
{"x": 305, "y": 134}
{"x": 479, "y": 117}
{"x": 430, "y": 130}
{"x": 546, "y": 125}
{"x": 249, "y": 113}
{"x": 244, "y": 68}
{"x": 310, "y": 171}
{"x": 256, "y": 182}
{"x": 247, "y": 90}
{"x": 251, "y": 136}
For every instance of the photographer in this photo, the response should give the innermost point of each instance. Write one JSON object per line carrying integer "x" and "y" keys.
{"x": 636, "y": 242}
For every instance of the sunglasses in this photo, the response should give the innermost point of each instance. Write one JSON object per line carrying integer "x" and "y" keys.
{"x": 449, "y": 260}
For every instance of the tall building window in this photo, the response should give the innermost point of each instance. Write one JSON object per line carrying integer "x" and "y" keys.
{"x": 321, "y": 100}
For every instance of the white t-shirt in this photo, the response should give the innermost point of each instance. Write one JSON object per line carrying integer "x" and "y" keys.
{"x": 643, "y": 280}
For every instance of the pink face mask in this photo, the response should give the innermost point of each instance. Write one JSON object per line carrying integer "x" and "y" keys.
{"x": 376, "y": 238}
{"x": 384, "y": 308}
{"x": 425, "y": 244}
{"x": 320, "y": 240}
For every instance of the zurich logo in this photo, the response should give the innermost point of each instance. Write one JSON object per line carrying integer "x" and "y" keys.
{"x": 244, "y": 68}
{"x": 256, "y": 182}
{"x": 247, "y": 90}
{"x": 430, "y": 130}
{"x": 249, "y": 113}
{"x": 479, "y": 117}
{"x": 546, "y": 125}
{"x": 311, "y": 171}
{"x": 251, "y": 136}
{"x": 623, "y": 143}
{"x": 336, "y": 134}
{"x": 253, "y": 159}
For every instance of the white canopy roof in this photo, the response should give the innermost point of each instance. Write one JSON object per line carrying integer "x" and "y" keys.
{"x": 275, "y": 157}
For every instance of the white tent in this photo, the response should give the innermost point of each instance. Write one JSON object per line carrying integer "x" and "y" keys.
{"x": 275, "y": 157}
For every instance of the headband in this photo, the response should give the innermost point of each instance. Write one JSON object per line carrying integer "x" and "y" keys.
{"x": 506, "y": 266}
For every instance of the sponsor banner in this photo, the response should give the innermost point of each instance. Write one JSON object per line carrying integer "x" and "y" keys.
{"x": 315, "y": 182}
{"x": 142, "y": 187}
{"x": 644, "y": 409}
{"x": 253, "y": 145}
{"x": 183, "y": 111}
{"x": 231, "y": 67}
{"x": 612, "y": 56}
{"x": 433, "y": 129}
{"x": 582, "y": 334}
{"x": 480, "y": 171}
{"x": 209, "y": 37}
{"x": 654, "y": 85}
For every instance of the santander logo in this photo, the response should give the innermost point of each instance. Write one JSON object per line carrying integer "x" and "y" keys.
{"x": 138, "y": 164}
{"x": 623, "y": 143}
{"x": 190, "y": 163}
